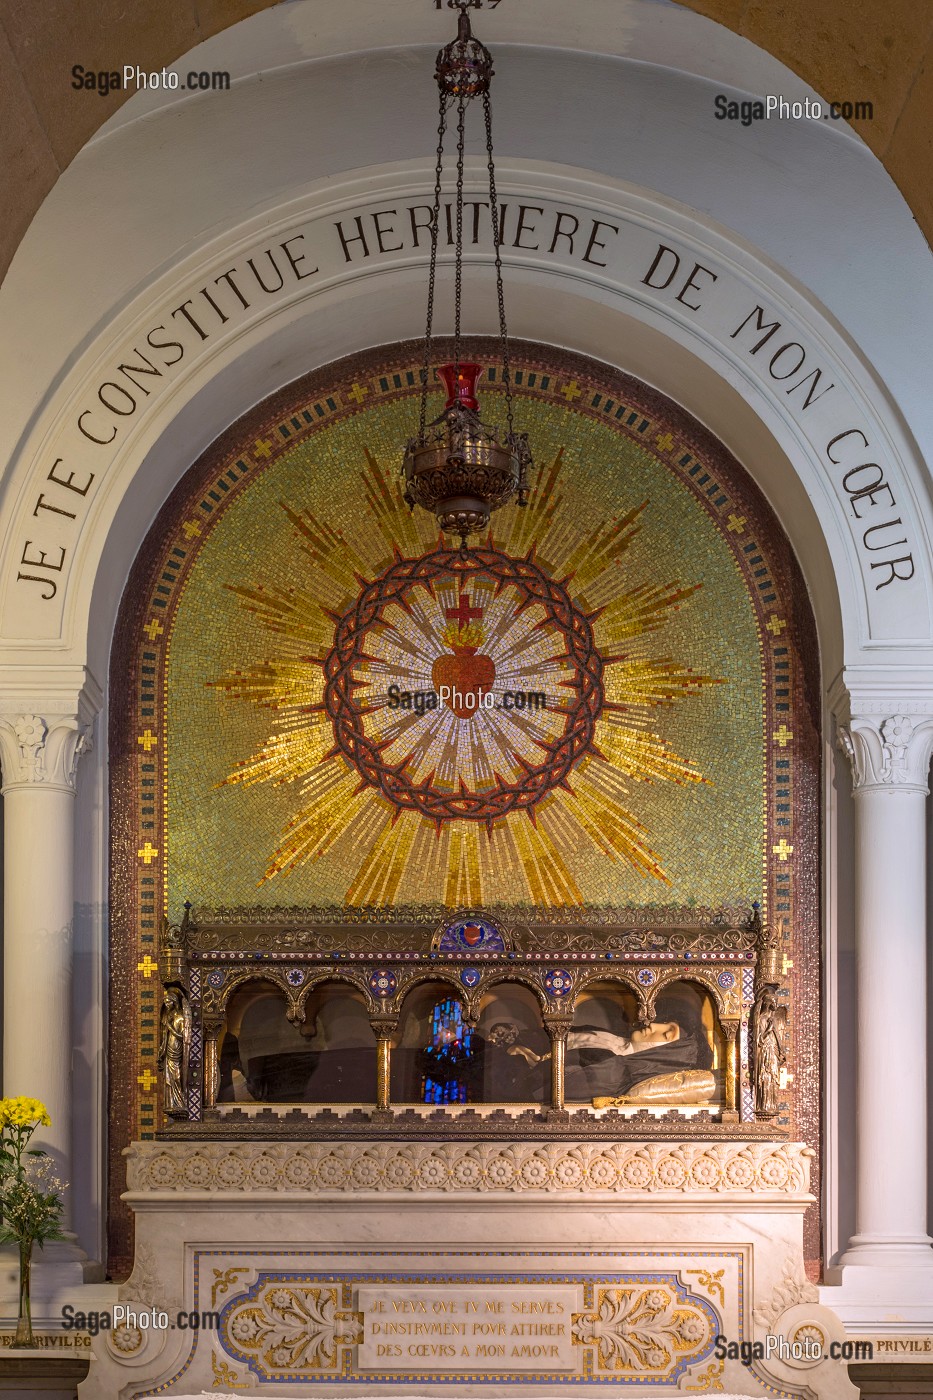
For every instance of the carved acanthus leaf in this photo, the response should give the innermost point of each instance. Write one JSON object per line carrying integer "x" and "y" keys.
{"x": 792, "y": 1289}
{"x": 42, "y": 749}
{"x": 890, "y": 753}
{"x": 146, "y": 1285}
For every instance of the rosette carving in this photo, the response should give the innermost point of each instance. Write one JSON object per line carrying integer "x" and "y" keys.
{"x": 637, "y": 1168}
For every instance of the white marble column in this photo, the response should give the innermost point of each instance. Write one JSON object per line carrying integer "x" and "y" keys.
{"x": 888, "y": 1266}
{"x": 39, "y": 755}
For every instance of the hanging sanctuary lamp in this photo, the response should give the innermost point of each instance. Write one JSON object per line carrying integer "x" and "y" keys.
{"x": 457, "y": 467}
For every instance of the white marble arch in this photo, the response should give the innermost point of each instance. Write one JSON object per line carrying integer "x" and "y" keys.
{"x": 786, "y": 427}
{"x": 791, "y": 217}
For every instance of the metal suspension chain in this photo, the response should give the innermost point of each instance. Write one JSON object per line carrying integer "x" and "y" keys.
{"x": 458, "y": 256}
{"x": 497, "y": 244}
{"x": 432, "y": 275}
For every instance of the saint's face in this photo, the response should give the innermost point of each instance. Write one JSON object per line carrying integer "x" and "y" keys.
{"x": 658, "y": 1033}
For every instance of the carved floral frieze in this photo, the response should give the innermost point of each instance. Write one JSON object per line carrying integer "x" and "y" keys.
{"x": 621, "y": 1168}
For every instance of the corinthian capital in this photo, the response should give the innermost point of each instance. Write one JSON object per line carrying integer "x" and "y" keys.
{"x": 41, "y": 750}
{"x": 890, "y": 752}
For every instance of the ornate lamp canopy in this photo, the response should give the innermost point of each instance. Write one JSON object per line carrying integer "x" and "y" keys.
{"x": 457, "y": 467}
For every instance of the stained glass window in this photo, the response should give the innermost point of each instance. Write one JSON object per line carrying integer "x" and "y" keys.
{"x": 447, "y": 1057}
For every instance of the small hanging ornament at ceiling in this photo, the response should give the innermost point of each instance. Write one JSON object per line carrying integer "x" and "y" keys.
{"x": 457, "y": 467}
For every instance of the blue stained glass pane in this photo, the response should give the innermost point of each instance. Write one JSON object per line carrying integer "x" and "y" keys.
{"x": 447, "y": 1055}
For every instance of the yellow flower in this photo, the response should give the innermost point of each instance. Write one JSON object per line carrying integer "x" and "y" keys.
{"x": 22, "y": 1112}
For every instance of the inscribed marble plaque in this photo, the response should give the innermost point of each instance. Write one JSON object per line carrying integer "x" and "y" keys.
{"x": 508, "y": 1327}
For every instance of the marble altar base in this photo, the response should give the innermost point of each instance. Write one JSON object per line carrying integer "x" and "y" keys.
{"x": 380, "y": 1268}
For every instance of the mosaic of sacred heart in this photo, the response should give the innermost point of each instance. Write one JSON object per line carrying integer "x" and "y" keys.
{"x": 463, "y": 695}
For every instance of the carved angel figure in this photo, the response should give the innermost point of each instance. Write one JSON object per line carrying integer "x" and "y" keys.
{"x": 173, "y": 1049}
{"x": 770, "y": 1054}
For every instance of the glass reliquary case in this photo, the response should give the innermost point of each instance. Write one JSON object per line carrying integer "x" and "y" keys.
{"x": 279, "y": 1018}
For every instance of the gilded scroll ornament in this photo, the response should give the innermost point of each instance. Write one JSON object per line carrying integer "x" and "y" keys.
{"x": 297, "y": 1330}
{"x": 642, "y": 1332}
{"x": 225, "y": 1375}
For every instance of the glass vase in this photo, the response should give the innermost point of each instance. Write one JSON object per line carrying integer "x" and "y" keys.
{"x": 23, "y": 1336}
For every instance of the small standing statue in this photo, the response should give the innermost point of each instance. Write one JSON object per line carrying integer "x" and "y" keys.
{"x": 173, "y": 1050}
{"x": 770, "y": 1054}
